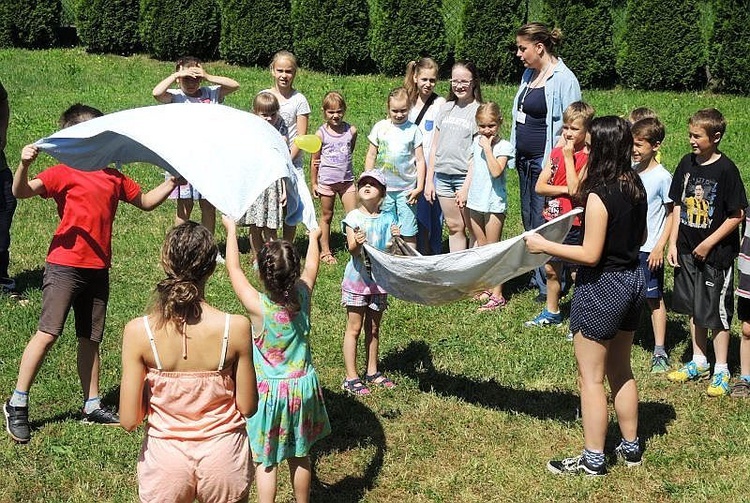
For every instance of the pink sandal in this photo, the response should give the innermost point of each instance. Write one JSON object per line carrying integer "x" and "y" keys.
{"x": 493, "y": 303}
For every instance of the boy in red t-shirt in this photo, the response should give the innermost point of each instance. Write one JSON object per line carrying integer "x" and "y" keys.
{"x": 76, "y": 272}
{"x": 558, "y": 182}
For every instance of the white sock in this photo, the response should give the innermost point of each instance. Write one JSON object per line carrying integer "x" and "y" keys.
{"x": 721, "y": 367}
{"x": 19, "y": 399}
{"x": 700, "y": 360}
{"x": 92, "y": 404}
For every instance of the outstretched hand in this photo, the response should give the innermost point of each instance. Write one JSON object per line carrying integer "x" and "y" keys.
{"x": 535, "y": 243}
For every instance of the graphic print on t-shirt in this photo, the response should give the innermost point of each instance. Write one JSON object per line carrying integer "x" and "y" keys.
{"x": 698, "y": 196}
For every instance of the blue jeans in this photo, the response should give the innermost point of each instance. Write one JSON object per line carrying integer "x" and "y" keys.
{"x": 532, "y": 204}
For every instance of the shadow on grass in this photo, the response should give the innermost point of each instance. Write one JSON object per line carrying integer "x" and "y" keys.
{"x": 354, "y": 426}
{"x": 415, "y": 361}
{"x": 29, "y": 279}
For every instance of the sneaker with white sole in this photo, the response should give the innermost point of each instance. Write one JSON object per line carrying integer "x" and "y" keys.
{"x": 103, "y": 416}
{"x": 630, "y": 459}
{"x": 545, "y": 318}
{"x": 574, "y": 466}
{"x": 689, "y": 372}
{"x": 17, "y": 422}
{"x": 719, "y": 385}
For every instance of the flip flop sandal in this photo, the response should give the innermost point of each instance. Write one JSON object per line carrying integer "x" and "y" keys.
{"x": 483, "y": 296}
{"x": 355, "y": 387}
{"x": 328, "y": 258}
{"x": 493, "y": 303}
{"x": 741, "y": 389}
{"x": 378, "y": 379}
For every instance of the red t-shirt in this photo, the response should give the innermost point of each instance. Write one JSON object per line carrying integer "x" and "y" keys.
{"x": 86, "y": 203}
{"x": 556, "y": 206}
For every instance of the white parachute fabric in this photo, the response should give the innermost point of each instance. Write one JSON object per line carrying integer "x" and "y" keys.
{"x": 439, "y": 279}
{"x": 228, "y": 155}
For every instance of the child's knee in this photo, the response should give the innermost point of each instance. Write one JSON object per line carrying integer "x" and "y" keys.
{"x": 746, "y": 330}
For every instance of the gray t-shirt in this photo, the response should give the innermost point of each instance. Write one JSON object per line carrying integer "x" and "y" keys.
{"x": 457, "y": 127}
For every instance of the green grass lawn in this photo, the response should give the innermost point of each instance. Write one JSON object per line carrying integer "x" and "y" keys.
{"x": 481, "y": 404}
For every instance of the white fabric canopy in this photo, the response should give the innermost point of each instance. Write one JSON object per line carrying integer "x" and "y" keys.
{"x": 439, "y": 279}
{"x": 228, "y": 155}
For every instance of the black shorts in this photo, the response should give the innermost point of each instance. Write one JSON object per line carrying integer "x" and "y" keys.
{"x": 703, "y": 292}
{"x": 606, "y": 301}
{"x": 743, "y": 309}
{"x": 86, "y": 290}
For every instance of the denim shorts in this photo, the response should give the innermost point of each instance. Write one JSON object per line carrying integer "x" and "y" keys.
{"x": 448, "y": 185}
{"x": 406, "y": 214}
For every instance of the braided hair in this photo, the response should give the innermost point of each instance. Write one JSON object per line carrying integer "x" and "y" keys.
{"x": 279, "y": 268}
{"x": 188, "y": 257}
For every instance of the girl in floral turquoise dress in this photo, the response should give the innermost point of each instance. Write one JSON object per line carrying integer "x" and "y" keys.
{"x": 291, "y": 414}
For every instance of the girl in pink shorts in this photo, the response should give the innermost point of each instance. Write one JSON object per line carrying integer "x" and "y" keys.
{"x": 195, "y": 364}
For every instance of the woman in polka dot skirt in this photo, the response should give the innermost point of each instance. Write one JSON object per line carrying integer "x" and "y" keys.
{"x": 608, "y": 295}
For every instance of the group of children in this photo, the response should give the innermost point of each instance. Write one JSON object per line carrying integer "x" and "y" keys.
{"x": 266, "y": 402}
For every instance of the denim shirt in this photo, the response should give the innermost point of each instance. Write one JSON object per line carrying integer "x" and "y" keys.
{"x": 560, "y": 90}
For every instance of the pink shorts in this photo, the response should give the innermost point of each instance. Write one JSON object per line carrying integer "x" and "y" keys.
{"x": 339, "y": 188}
{"x": 212, "y": 470}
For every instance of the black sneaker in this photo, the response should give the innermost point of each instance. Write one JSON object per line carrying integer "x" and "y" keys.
{"x": 572, "y": 466}
{"x": 17, "y": 422}
{"x": 630, "y": 459}
{"x": 102, "y": 416}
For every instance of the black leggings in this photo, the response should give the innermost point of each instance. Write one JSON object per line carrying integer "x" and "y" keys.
{"x": 7, "y": 209}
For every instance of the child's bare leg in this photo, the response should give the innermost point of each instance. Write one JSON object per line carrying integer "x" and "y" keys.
{"x": 494, "y": 232}
{"x": 658, "y": 320}
{"x": 745, "y": 349}
{"x": 256, "y": 240}
{"x": 300, "y": 473}
{"x": 622, "y": 384}
{"x": 472, "y": 241}
{"x": 354, "y": 318}
{"x": 289, "y": 232}
{"x": 372, "y": 339}
{"x": 33, "y": 356}
{"x": 184, "y": 209}
{"x": 265, "y": 480}
{"x": 477, "y": 221}
{"x": 326, "y": 216}
{"x": 554, "y": 271}
{"x": 591, "y": 357}
{"x": 88, "y": 367}
{"x": 699, "y": 337}
{"x": 208, "y": 215}
{"x": 721, "y": 346}
{"x": 455, "y": 222}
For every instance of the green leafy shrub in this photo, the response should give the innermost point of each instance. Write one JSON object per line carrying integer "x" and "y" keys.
{"x": 33, "y": 24}
{"x": 109, "y": 26}
{"x": 662, "y": 47}
{"x": 588, "y": 48}
{"x": 402, "y": 30}
{"x": 172, "y": 28}
{"x": 252, "y": 31}
{"x": 331, "y": 35}
{"x": 490, "y": 37}
{"x": 730, "y": 47}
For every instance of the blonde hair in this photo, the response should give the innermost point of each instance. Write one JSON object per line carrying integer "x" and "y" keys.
{"x": 399, "y": 93}
{"x": 285, "y": 55}
{"x": 413, "y": 69}
{"x": 490, "y": 110}
{"x": 538, "y": 33}
{"x": 579, "y": 110}
{"x": 265, "y": 102}
{"x": 334, "y": 99}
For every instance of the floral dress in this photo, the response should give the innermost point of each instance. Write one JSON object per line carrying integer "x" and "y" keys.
{"x": 291, "y": 413}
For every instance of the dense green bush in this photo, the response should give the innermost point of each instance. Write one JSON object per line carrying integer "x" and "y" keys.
{"x": 33, "y": 24}
{"x": 490, "y": 38}
{"x": 173, "y": 28}
{"x": 588, "y": 48}
{"x": 252, "y": 31}
{"x": 331, "y": 35}
{"x": 730, "y": 47}
{"x": 402, "y": 30}
{"x": 109, "y": 26}
{"x": 662, "y": 47}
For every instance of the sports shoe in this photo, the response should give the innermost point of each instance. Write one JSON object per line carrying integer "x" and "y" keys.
{"x": 572, "y": 466}
{"x": 689, "y": 372}
{"x": 719, "y": 385}
{"x": 17, "y": 422}
{"x": 659, "y": 364}
{"x": 630, "y": 459}
{"x": 103, "y": 416}
{"x": 545, "y": 318}
{"x": 219, "y": 259}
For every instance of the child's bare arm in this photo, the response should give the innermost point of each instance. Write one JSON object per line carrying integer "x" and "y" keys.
{"x": 656, "y": 257}
{"x": 157, "y": 195}
{"x": 245, "y": 291}
{"x": 245, "y": 384}
{"x": 312, "y": 259}
{"x": 429, "y": 181}
{"x": 355, "y": 238}
{"x": 572, "y": 178}
{"x": 414, "y": 193}
{"x": 314, "y": 167}
{"x": 354, "y": 137}
{"x": 371, "y": 157}
{"x": 132, "y": 407}
{"x": 729, "y": 225}
{"x": 22, "y": 186}
{"x": 672, "y": 249}
{"x": 160, "y": 91}
{"x": 228, "y": 85}
{"x": 543, "y": 186}
{"x": 302, "y": 123}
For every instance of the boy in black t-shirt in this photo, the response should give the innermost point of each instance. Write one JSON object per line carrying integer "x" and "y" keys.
{"x": 709, "y": 201}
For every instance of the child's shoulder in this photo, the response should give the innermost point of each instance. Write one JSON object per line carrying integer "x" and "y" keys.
{"x": 503, "y": 148}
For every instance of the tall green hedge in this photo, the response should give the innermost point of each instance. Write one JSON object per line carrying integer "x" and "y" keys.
{"x": 490, "y": 37}
{"x": 730, "y": 47}
{"x": 172, "y": 28}
{"x": 331, "y": 35}
{"x": 588, "y": 48}
{"x": 33, "y": 24}
{"x": 662, "y": 47}
{"x": 252, "y": 31}
{"x": 402, "y": 30}
{"x": 109, "y": 26}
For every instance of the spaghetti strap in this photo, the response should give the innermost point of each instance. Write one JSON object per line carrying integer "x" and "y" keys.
{"x": 152, "y": 342}
{"x": 224, "y": 342}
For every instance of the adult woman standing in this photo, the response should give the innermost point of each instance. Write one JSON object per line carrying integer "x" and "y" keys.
{"x": 547, "y": 88}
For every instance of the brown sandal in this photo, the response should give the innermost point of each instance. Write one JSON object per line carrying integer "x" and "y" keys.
{"x": 328, "y": 258}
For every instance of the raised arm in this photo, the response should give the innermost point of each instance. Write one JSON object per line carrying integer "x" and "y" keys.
{"x": 160, "y": 90}
{"x": 312, "y": 259}
{"x": 157, "y": 195}
{"x": 22, "y": 186}
{"x": 228, "y": 85}
{"x": 245, "y": 291}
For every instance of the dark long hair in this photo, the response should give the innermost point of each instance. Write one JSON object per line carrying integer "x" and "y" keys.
{"x": 279, "y": 268}
{"x": 188, "y": 257}
{"x": 610, "y": 159}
